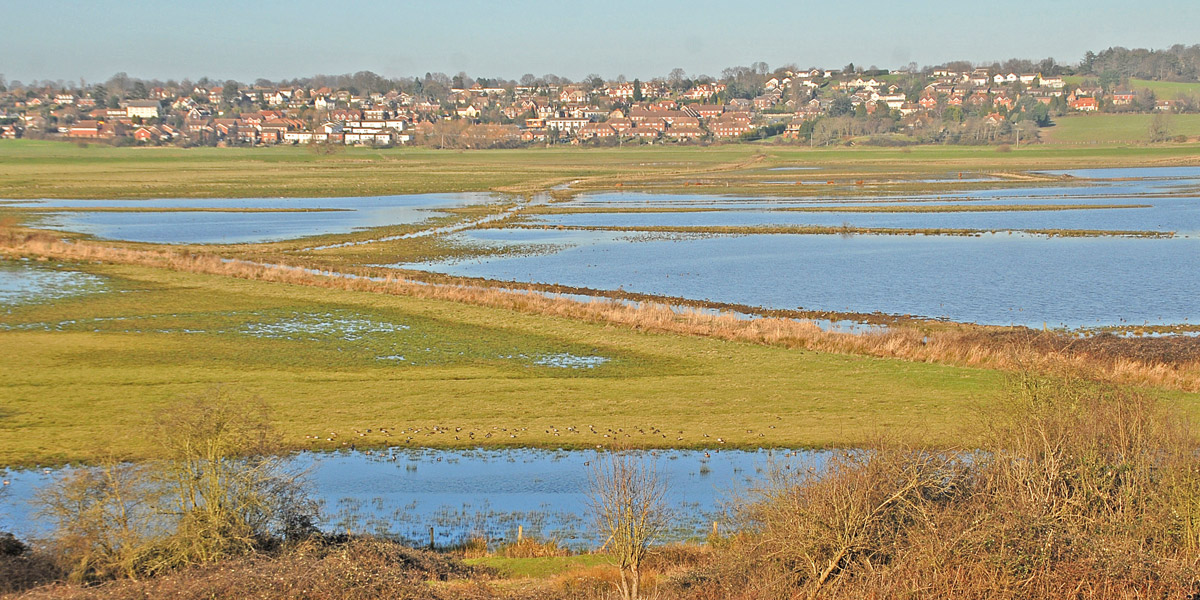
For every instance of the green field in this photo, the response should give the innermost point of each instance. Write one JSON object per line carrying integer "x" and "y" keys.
{"x": 33, "y": 169}
{"x": 1164, "y": 90}
{"x": 1116, "y": 128}
{"x": 82, "y": 376}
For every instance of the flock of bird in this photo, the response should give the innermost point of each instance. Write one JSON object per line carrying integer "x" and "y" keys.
{"x": 476, "y": 434}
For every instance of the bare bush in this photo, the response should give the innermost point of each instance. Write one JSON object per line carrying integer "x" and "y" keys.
{"x": 1082, "y": 490}
{"x": 218, "y": 491}
{"x": 627, "y": 498}
{"x": 103, "y": 518}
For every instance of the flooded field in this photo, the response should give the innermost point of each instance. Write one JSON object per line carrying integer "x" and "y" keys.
{"x": 1000, "y": 278}
{"x": 989, "y": 272}
{"x": 27, "y": 282}
{"x": 463, "y": 494}
{"x": 210, "y": 226}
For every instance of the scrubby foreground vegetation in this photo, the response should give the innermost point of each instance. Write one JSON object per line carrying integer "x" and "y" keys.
{"x": 1081, "y": 490}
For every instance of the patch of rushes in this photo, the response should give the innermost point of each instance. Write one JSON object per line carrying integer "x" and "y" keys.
{"x": 837, "y": 230}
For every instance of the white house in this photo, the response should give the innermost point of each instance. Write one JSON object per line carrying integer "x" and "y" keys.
{"x": 146, "y": 109}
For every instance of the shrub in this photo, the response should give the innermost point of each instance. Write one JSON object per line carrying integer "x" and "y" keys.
{"x": 219, "y": 491}
{"x": 1083, "y": 490}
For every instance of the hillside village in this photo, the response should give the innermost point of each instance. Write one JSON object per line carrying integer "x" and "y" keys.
{"x": 817, "y": 106}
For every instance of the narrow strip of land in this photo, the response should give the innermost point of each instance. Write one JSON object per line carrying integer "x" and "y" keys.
{"x": 833, "y": 230}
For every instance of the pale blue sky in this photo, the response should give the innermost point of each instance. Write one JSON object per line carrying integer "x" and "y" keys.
{"x": 61, "y": 39}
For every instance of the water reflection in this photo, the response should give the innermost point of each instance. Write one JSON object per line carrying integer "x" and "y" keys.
{"x": 481, "y": 493}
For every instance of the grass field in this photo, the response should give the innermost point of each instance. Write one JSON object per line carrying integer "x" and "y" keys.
{"x": 1164, "y": 90}
{"x": 1116, "y": 128}
{"x": 83, "y": 375}
{"x": 34, "y": 169}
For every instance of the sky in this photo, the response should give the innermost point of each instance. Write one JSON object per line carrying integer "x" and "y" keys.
{"x": 278, "y": 39}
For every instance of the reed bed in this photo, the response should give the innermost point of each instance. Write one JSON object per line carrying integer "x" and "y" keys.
{"x": 1172, "y": 363}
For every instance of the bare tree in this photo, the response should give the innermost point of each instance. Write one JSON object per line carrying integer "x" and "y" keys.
{"x": 1160, "y": 127}
{"x": 628, "y": 501}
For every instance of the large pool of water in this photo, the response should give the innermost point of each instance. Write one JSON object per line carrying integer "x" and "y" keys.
{"x": 999, "y": 279}
{"x": 480, "y": 493}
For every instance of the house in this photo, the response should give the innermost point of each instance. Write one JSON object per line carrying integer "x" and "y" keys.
{"x": 729, "y": 127}
{"x": 147, "y": 134}
{"x": 645, "y": 133}
{"x": 226, "y": 128}
{"x": 685, "y": 132}
{"x": 1053, "y": 82}
{"x": 620, "y": 125}
{"x": 1123, "y": 98}
{"x": 298, "y": 137}
{"x": 1084, "y": 104}
{"x": 704, "y": 91}
{"x": 145, "y": 109}
{"x": 533, "y": 135}
{"x": 573, "y": 95}
{"x": 272, "y": 132}
{"x": 568, "y": 125}
{"x": 621, "y": 91}
{"x": 86, "y": 128}
{"x": 596, "y": 131}
{"x": 346, "y": 114}
{"x": 658, "y": 125}
{"x": 377, "y": 138}
{"x": 765, "y": 101}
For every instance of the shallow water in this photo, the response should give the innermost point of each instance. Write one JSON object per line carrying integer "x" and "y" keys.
{"x": 352, "y": 214}
{"x": 25, "y": 282}
{"x": 489, "y": 493}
